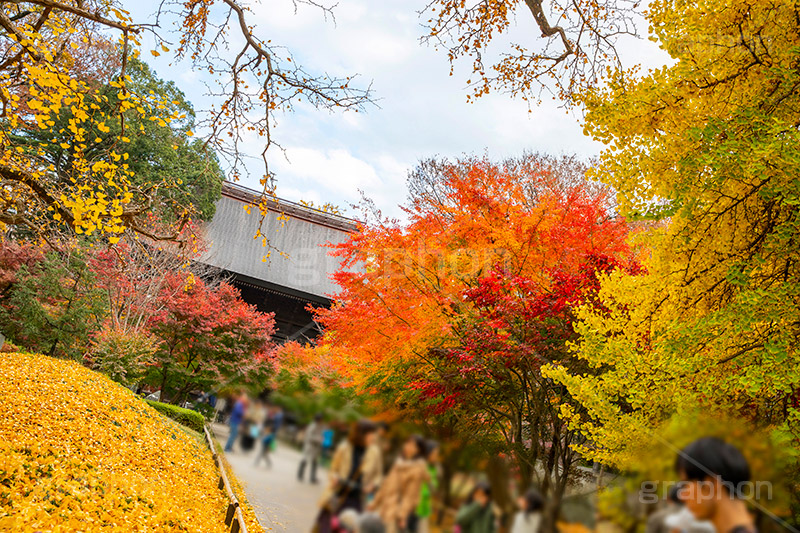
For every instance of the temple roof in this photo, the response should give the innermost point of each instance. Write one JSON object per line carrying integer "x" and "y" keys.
{"x": 298, "y": 231}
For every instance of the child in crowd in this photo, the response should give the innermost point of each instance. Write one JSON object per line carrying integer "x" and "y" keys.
{"x": 529, "y": 517}
{"x": 267, "y": 442}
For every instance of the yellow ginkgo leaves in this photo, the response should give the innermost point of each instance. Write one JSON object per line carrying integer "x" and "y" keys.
{"x": 80, "y": 453}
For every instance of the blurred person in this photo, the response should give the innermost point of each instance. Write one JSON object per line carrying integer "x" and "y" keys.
{"x": 251, "y": 427}
{"x": 420, "y": 522}
{"x": 348, "y": 521}
{"x": 204, "y": 398}
{"x": 256, "y": 414}
{"x": 290, "y": 426}
{"x": 477, "y": 514}
{"x": 399, "y": 494}
{"x": 327, "y": 441}
{"x": 675, "y": 517}
{"x": 384, "y": 443}
{"x": 672, "y": 505}
{"x": 235, "y": 420}
{"x": 312, "y": 448}
{"x": 267, "y": 442}
{"x": 684, "y": 521}
{"x": 714, "y": 475}
{"x": 354, "y": 473}
{"x": 229, "y": 405}
{"x": 219, "y": 409}
{"x": 529, "y": 517}
{"x": 277, "y": 416}
{"x": 370, "y": 523}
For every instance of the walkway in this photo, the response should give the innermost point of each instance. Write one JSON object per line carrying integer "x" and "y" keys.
{"x": 281, "y": 502}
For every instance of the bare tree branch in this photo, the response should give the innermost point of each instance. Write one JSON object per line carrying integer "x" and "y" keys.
{"x": 579, "y": 44}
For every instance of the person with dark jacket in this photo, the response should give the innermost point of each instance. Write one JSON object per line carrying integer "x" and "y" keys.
{"x": 477, "y": 515}
{"x": 239, "y": 410}
{"x": 355, "y": 472}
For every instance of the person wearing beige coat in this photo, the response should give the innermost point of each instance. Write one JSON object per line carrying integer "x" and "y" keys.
{"x": 355, "y": 472}
{"x": 341, "y": 470}
{"x": 400, "y": 492}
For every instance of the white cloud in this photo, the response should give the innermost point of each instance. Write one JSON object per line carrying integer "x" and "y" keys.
{"x": 334, "y": 170}
{"x": 422, "y": 110}
{"x": 337, "y": 176}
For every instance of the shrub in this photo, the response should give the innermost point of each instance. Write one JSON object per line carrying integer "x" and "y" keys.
{"x": 187, "y": 417}
{"x": 121, "y": 355}
{"x": 9, "y": 347}
{"x": 204, "y": 409}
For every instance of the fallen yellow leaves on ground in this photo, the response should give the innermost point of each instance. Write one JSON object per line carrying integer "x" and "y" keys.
{"x": 79, "y": 452}
{"x": 249, "y": 514}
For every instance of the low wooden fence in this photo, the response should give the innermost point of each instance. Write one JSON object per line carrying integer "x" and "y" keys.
{"x": 233, "y": 516}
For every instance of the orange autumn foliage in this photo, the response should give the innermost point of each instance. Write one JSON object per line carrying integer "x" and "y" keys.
{"x": 403, "y": 286}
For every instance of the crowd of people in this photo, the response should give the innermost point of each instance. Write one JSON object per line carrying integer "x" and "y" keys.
{"x": 370, "y": 489}
{"x": 254, "y": 423}
{"x": 708, "y": 496}
{"x": 365, "y": 497}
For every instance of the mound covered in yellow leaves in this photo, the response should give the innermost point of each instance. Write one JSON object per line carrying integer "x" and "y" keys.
{"x": 80, "y": 453}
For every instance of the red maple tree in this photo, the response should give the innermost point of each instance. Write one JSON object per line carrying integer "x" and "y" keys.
{"x": 454, "y": 313}
{"x": 209, "y": 337}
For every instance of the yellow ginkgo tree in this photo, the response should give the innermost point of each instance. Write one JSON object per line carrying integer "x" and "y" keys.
{"x": 50, "y": 52}
{"x": 710, "y": 148}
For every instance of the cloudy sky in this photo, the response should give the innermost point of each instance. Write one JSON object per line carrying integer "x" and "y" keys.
{"x": 421, "y": 110}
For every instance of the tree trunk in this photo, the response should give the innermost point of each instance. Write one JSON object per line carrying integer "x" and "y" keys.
{"x": 525, "y": 465}
{"x": 183, "y": 393}
{"x": 550, "y": 513}
{"x": 600, "y": 473}
{"x": 163, "y": 388}
{"x": 499, "y": 478}
{"x": 446, "y": 489}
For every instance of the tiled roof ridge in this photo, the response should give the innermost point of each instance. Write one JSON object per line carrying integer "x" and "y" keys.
{"x": 287, "y": 207}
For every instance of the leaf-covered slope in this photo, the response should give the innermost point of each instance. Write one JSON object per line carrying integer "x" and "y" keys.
{"x": 80, "y": 452}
